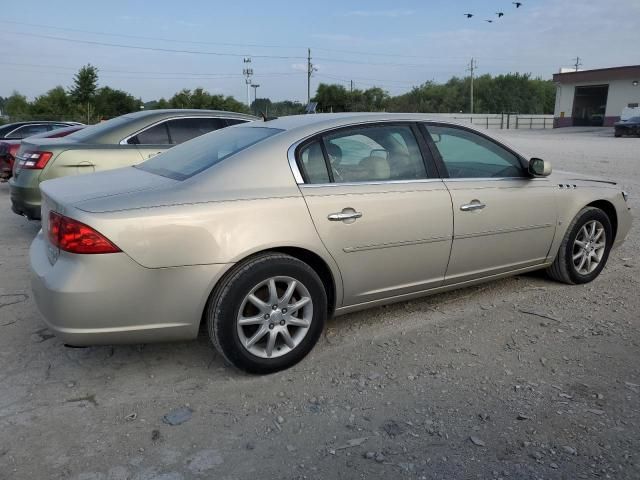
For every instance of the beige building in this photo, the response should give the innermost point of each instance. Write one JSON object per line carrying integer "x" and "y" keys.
{"x": 595, "y": 97}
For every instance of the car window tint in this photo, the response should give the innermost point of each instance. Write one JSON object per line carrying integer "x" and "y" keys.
{"x": 190, "y": 158}
{"x": 375, "y": 154}
{"x": 469, "y": 155}
{"x": 311, "y": 162}
{"x": 184, "y": 129}
{"x": 156, "y": 135}
{"x": 27, "y": 131}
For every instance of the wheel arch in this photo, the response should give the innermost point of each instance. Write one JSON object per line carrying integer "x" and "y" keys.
{"x": 610, "y": 210}
{"x": 315, "y": 261}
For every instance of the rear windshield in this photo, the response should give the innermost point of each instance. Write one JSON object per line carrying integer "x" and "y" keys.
{"x": 194, "y": 156}
{"x": 99, "y": 128}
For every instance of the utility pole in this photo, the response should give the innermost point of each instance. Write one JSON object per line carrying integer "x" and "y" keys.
{"x": 351, "y": 86}
{"x": 578, "y": 63}
{"x": 255, "y": 98}
{"x": 247, "y": 71}
{"x": 472, "y": 66}
{"x": 310, "y": 70}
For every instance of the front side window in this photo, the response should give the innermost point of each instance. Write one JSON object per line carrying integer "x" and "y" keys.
{"x": 377, "y": 153}
{"x": 190, "y": 158}
{"x": 184, "y": 129}
{"x": 156, "y": 135}
{"x": 468, "y": 155}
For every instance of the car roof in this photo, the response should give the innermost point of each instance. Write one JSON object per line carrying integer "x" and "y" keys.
{"x": 322, "y": 121}
{"x": 185, "y": 112}
{"x": 114, "y": 130}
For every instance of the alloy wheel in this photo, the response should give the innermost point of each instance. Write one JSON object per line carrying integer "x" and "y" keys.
{"x": 589, "y": 247}
{"x": 274, "y": 317}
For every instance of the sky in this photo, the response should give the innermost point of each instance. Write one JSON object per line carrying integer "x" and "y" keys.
{"x": 153, "y": 49}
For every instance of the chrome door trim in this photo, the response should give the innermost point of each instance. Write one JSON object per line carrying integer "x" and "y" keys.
{"x": 493, "y": 179}
{"x": 473, "y": 206}
{"x": 377, "y": 182}
{"x": 504, "y": 230}
{"x": 396, "y": 244}
{"x": 341, "y": 216}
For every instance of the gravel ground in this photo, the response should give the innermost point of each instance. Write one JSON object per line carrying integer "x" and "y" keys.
{"x": 521, "y": 378}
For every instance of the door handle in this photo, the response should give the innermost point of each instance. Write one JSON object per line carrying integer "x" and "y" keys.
{"x": 344, "y": 215}
{"x": 474, "y": 205}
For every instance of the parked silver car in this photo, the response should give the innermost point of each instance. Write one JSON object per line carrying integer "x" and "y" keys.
{"x": 262, "y": 230}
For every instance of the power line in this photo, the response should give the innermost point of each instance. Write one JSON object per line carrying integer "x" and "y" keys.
{"x": 153, "y": 49}
{"x": 200, "y": 42}
{"x": 45, "y": 67}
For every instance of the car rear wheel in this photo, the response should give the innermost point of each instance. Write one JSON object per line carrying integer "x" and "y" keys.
{"x": 267, "y": 313}
{"x": 585, "y": 248}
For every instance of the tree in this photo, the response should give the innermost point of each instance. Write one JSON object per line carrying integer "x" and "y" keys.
{"x": 16, "y": 106}
{"x": 53, "y": 104}
{"x": 84, "y": 87}
{"x": 111, "y": 103}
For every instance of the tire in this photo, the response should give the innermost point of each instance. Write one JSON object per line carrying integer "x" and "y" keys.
{"x": 617, "y": 135}
{"x": 230, "y": 304}
{"x": 567, "y": 270}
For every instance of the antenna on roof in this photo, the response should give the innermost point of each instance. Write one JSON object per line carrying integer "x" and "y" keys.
{"x": 265, "y": 118}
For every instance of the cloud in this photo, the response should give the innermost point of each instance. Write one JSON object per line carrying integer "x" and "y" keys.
{"x": 380, "y": 13}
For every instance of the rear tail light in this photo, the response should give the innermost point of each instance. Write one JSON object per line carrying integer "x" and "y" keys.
{"x": 13, "y": 149}
{"x": 72, "y": 236}
{"x": 34, "y": 160}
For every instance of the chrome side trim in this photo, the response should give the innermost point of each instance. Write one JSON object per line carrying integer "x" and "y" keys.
{"x": 377, "y": 182}
{"x": 504, "y": 230}
{"x": 495, "y": 179}
{"x": 291, "y": 155}
{"x": 396, "y": 244}
{"x": 179, "y": 117}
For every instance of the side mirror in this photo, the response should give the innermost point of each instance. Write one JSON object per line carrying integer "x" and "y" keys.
{"x": 539, "y": 167}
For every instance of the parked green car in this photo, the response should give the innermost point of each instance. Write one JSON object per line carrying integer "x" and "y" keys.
{"x": 122, "y": 141}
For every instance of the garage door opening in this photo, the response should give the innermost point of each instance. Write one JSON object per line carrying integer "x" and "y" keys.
{"x": 589, "y": 105}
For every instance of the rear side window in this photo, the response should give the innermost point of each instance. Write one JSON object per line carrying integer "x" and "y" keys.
{"x": 374, "y": 154}
{"x": 184, "y": 129}
{"x": 27, "y": 131}
{"x": 201, "y": 153}
{"x": 156, "y": 135}
{"x": 312, "y": 164}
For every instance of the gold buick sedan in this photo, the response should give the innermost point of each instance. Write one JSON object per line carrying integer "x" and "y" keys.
{"x": 262, "y": 230}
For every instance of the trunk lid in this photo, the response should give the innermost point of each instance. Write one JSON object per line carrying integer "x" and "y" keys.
{"x": 100, "y": 187}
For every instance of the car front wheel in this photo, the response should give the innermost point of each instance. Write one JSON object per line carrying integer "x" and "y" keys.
{"x": 585, "y": 248}
{"x": 267, "y": 313}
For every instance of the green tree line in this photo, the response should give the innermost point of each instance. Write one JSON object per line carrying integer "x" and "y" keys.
{"x": 85, "y": 102}
{"x": 513, "y": 92}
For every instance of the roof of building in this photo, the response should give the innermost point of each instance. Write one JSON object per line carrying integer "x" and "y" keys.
{"x": 629, "y": 72}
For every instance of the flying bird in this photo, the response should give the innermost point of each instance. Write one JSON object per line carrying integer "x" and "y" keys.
{"x": 468, "y": 15}
{"x": 500, "y": 14}
{"x": 517, "y": 4}
{"x": 489, "y": 21}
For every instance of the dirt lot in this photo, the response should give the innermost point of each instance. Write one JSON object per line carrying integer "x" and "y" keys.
{"x": 460, "y": 385}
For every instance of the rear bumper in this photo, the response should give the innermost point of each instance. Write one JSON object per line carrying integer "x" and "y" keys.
{"x": 110, "y": 299}
{"x": 25, "y": 200}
